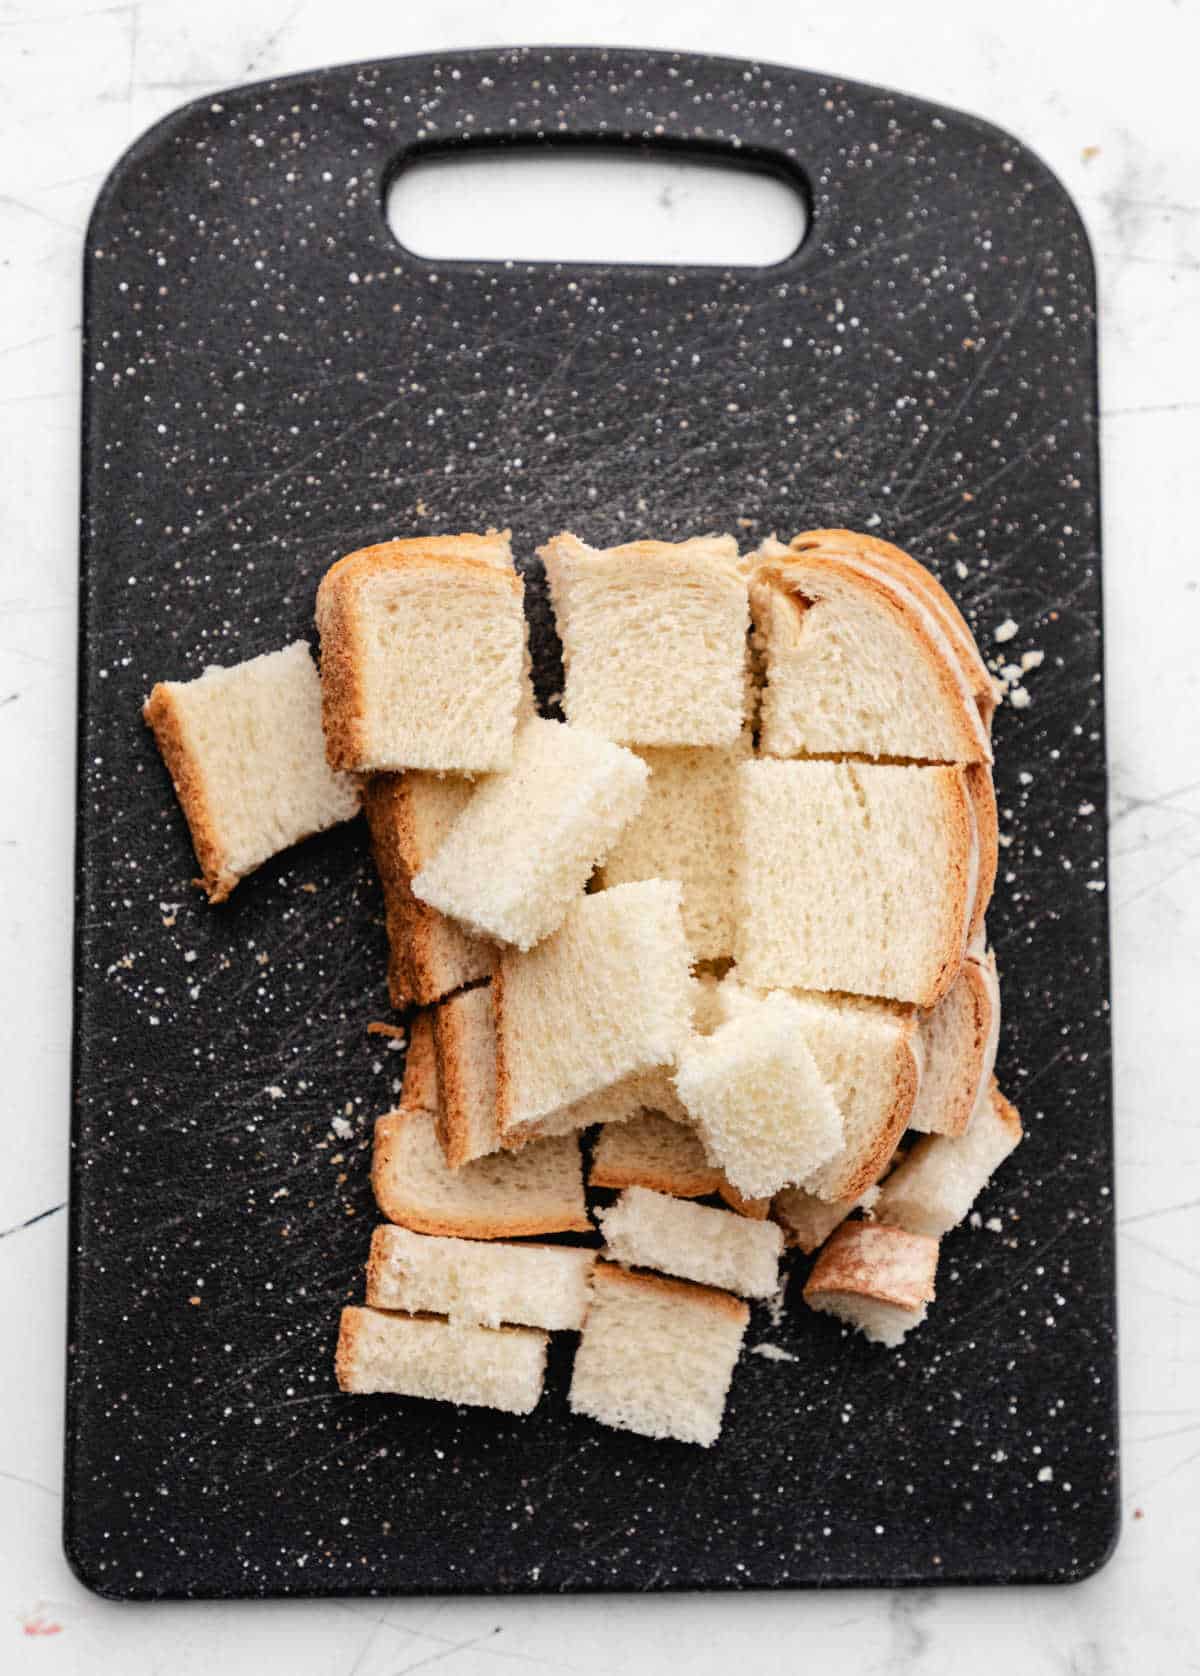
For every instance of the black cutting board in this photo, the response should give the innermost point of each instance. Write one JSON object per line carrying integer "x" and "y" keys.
{"x": 271, "y": 382}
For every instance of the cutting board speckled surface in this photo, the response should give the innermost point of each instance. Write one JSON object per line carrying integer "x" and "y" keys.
{"x": 270, "y": 382}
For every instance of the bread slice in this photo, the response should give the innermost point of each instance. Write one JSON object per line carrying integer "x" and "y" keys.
{"x": 422, "y": 1356}
{"x": 464, "y": 1035}
{"x": 942, "y": 1176}
{"x": 959, "y": 1037}
{"x": 650, "y": 1230}
{"x": 526, "y": 843}
{"x": 875, "y": 1277}
{"x": 419, "y": 1089}
{"x": 653, "y": 637}
{"x": 654, "y": 1151}
{"x": 807, "y": 1221}
{"x": 608, "y": 994}
{"x": 657, "y": 1356}
{"x": 687, "y": 830}
{"x": 422, "y": 655}
{"x": 858, "y": 877}
{"x": 855, "y": 663}
{"x": 479, "y": 1282}
{"x": 244, "y": 750}
{"x": 430, "y": 956}
{"x": 503, "y": 1196}
{"x": 755, "y": 1094}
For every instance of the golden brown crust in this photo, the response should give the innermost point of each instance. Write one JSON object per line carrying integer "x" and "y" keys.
{"x": 875, "y": 1260}
{"x": 974, "y": 981}
{"x": 686, "y": 1291}
{"x": 162, "y": 716}
{"x": 451, "y": 1047}
{"x": 987, "y": 837}
{"x": 349, "y": 1328}
{"x": 756, "y": 1209}
{"x": 376, "y": 1264}
{"x": 961, "y": 886}
{"x": 341, "y": 690}
{"x": 1006, "y": 1111}
{"x": 677, "y": 1184}
{"x": 907, "y": 1083}
{"x": 419, "y": 1089}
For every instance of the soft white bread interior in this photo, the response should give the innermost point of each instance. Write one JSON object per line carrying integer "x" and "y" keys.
{"x": 536, "y": 1191}
{"x": 422, "y": 655}
{"x": 877, "y": 1278}
{"x": 482, "y": 1282}
{"x": 687, "y": 830}
{"x": 657, "y": 1356}
{"x": 526, "y": 843}
{"x": 608, "y": 994}
{"x": 649, "y": 1230}
{"x": 942, "y": 1176}
{"x": 464, "y": 1035}
{"x": 756, "y": 1095}
{"x": 409, "y": 816}
{"x": 807, "y": 1221}
{"x": 959, "y": 1038}
{"x": 654, "y": 638}
{"x": 244, "y": 749}
{"x": 423, "y": 1356}
{"x": 855, "y": 876}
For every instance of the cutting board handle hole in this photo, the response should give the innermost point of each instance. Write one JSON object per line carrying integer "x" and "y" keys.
{"x": 597, "y": 202}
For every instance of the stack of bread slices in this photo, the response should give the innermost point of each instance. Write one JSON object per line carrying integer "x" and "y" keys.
{"x": 720, "y": 932}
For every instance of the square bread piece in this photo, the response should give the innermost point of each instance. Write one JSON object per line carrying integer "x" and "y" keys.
{"x": 654, "y": 638}
{"x": 943, "y": 1175}
{"x": 524, "y": 846}
{"x": 715, "y": 1247}
{"x": 429, "y": 955}
{"x": 464, "y": 1036}
{"x": 875, "y": 1277}
{"x": 855, "y": 876}
{"x": 423, "y": 655}
{"x": 687, "y": 829}
{"x": 609, "y": 993}
{"x": 657, "y": 1356}
{"x": 244, "y": 749}
{"x": 481, "y": 1282}
{"x": 422, "y": 1356}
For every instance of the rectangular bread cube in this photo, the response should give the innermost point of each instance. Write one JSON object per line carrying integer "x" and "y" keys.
{"x": 524, "y": 847}
{"x": 422, "y": 1356}
{"x": 959, "y": 1038}
{"x": 246, "y": 755}
{"x": 657, "y": 1356}
{"x": 464, "y": 1034}
{"x": 877, "y": 1278}
{"x": 654, "y": 638}
{"x": 856, "y": 877}
{"x": 486, "y": 1283}
{"x": 649, "y": 1230}
{"x": 423, "y": 655}
{"x": 429, "y": 956}
{"x": 942, "y": 1176}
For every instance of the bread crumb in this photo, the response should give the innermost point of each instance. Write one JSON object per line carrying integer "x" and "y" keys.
{"x": 960, "y": 570}
{"x": 994, "y": 1225}
{"x": 342, "y": 1128}
{"x": 1032, "y": 660}
{"x": 1045, "y": 1475}
{"x": 1019, "y": 698}
{"x": 772, "y": 1353}
{"x": 1006, "y": 630}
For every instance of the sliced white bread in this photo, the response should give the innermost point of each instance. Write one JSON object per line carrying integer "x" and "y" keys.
{"x": 807, "y": 1221}
{"x": 855, "y": 663}
{"x": 504, "y": 1196}
{"x": 687, "y": 830}
{"x": 422, "y": 655}
{"x": 657, "y": 1356}
{"x": 654, "y": 1151}
{"x": 987, "y": 841}
{"x": 877, "y": 1278}
{"x": 959, "y": 1037}
{"x": 422, "y": 1356}
{"x": 654, "y": 638}
{"x": 429, "y": 955}
{"x": 419, "y": 1087}
{"x": 942, "y": 1176}
{"x": 649, "y": 1230}
{"x": 754, "y": 1091}
{"x": 608, "y": 994}
{"x": 244, "y": 750}
{"x": 464, "y": 1036}
{"x": 484, "y": 1282}
{"x": 525, "y": 845}
{"x": 858, "y": 877}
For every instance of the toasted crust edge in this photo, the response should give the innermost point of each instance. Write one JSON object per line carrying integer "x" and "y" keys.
{"x": 450, "y": 1048}
{"x": 686, "y": 1291}
{"x": 838, "y": 1268}
{"x": 907, "y": 1082}
{"x": 987, "y": 837}
{"x": 162, "y": 716}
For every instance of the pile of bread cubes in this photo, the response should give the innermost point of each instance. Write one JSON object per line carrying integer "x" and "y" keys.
{"x": 721, "y": 932}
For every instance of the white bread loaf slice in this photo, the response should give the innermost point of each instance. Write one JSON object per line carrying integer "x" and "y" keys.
{"x": 244, "y": 750}
{"x": 608, "y": 994}
{"x": 807, "y": 1221}
{"x": 942, "y": 1176}
{"x": 422, "y": 655}
{"x": 959, "y": 1037}
{"x": 855, "y": 663}
{"x": 687, "y": 830}
{"x": 649, "y": 1230}
{"x": 756, "y": 1096}
{"x": 657, "y": 1356}
{"x": 858, "y": 877}
{"x": 503, "y": 1196}
{"x": 877, "y": 1278}
{"x": 464, "y": 1036}
{"x": 667, "y": 1155}
{"x": 525, "y": 845}
{"x": 422, "y": 1356}
{"x": 481, "y": 1282}
{"x": 429, "y": 956}
{"x": 654, "y": 638}
{"x": 419, "y": 1088}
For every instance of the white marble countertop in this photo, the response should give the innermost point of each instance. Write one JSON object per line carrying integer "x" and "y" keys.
{"x": 1105, "y": 95}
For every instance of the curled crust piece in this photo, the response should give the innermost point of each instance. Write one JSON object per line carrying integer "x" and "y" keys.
{"x": 162, "y": 716}
{"x": 878, "y": 1278}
